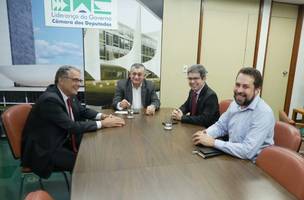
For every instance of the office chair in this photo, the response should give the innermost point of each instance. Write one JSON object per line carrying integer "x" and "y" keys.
{"x": 284, "y": 118}
{"x": 285, "y": 166}
{"x": 38, "y": 195}
{"x": 224, "y": 104}
{"x": 14, "y": 119}
{"x": 287, "y": 136}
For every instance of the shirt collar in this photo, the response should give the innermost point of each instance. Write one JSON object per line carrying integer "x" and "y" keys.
{"x": 65, "y": 97}
{"x": 135, "y": 87}
{"x": 199, "y": 91}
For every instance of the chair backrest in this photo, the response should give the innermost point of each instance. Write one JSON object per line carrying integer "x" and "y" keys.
{"x": 283, "y": 117}
{"x": 38, "y": 195}
{"x": 224, "y": 104}
{"x": 287, "y": 136}
{"x": 285, "y": 166}
{"x": 14, "y": 119}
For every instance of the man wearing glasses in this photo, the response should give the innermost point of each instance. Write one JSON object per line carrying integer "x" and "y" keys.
{"x": 55, "y": 125}
{"x": 136, "y": 92}
{"x": 201, "y": 107}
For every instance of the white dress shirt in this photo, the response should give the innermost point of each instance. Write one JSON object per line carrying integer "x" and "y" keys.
{"x": 65, "y": 97}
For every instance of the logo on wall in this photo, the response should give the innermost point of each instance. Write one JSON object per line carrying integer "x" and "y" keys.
{"x": 81, "y": 13}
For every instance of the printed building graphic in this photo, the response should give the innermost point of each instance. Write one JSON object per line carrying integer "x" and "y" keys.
{"x": 116, "y": 50}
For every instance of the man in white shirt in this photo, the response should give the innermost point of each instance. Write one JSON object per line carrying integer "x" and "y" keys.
{"x": 136, "y": 92}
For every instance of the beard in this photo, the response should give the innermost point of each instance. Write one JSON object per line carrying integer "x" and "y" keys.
{"x": 245, "y": 102}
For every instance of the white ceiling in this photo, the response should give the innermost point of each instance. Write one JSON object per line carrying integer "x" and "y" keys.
{"x": 291, "y": 1}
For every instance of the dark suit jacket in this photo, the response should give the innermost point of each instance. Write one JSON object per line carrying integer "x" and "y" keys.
{"x": 48, "y": 128}
{"x": 207, "y": 110}
{"x": 124, "y": 91}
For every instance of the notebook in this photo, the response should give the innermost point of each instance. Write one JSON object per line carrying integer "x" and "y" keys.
{"x": 207, "y": 152}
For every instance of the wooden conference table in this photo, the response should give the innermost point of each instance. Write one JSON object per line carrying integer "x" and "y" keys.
{"x": 143, "y": 161}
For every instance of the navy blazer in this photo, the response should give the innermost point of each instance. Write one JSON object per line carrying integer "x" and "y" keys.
{"x": 124, "y": 91}
{"x": 48, "y": 127}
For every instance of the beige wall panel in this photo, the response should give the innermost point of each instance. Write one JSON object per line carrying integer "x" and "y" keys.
{"x": 235, "y": 6}
{"x": 250, "y": 40}
{"x": 179, "y": 48}
{"x": 284, "y": 10}
{"x": 280, "y": 43}
{"x": 226, "y": 48}
{"x": 228, "y": 41}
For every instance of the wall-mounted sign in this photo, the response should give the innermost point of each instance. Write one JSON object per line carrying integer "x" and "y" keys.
{"x": 81, "y": 13}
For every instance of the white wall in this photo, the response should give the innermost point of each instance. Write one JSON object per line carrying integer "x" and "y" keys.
{"x": 297, "y": 98}
{"x": 263, "y": 35}
{"x": 179, "y": 48}
{"x": 5, "y": 50}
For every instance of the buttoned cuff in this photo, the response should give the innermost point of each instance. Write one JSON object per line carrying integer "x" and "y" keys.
{"x": 219, "y": 144}
{"x": 118, "y": 106}
{"x": 99, "y": 125}
{"x": 98, "y": 116}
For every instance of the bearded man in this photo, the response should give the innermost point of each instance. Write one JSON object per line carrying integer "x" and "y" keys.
{"x": 249, "y": 121}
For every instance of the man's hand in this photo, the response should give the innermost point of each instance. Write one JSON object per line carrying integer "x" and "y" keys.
{"x": 112, "y": 121}
{"x": 201, "y": 137}
{"x": 177, "y": 114}
{"x": 124, "y": 104}
{"x": 150, "y": 110}
{"x": 103, "y": 116}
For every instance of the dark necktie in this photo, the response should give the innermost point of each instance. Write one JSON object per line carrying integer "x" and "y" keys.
{"x": 193, "y": 103}
{"x": 73, "y": 139}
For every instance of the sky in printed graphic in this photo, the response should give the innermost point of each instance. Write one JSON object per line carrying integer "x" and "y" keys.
{"x": 55, "y": 45}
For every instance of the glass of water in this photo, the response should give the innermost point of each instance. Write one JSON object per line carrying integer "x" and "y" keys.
{"x": 130, "y": 112}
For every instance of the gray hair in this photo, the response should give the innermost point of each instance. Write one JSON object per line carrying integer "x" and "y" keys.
{"x": 63, "y": 72}
{"x": 137, "y": 66}
{"x": 197, "y": 68}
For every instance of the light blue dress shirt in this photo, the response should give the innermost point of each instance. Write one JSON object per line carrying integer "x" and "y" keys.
{"x": 250, "y": 129}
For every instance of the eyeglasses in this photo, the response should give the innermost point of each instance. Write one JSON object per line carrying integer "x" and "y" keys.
{"x": 193, "y": 78}
{"x": 75, "y": 80}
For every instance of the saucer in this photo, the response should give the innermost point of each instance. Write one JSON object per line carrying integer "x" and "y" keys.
{"x": 167, "y": 127}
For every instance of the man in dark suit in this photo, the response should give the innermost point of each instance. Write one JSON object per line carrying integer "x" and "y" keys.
{"x": 136, "y": 91}
{"x": 201, "y": 107}
{"x": 56, "y": 123}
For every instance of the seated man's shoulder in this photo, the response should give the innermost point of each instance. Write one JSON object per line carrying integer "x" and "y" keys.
{"x": 211, "y": 91}
{"x": 264, "y": 110}
{"x": 148, "y": 82}
{"x": 49, "y": 96}
{"x": 263, "y": 106}
{"x": 122, "y": 82}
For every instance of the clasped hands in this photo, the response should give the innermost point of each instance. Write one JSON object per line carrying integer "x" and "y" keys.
{"x": 177, "y": 114}
{"x": 111, "y": 121}
{"x": 201, "y": 137}
{"x": 124, "y": 104}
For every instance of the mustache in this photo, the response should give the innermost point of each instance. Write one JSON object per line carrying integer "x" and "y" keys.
{"x": 240, "y": 93}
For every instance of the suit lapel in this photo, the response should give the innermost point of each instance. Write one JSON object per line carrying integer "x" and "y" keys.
{"x": 143, "y": 93}
{"x": 202, "y": 93}
{"x": 61, "y": 100}
{"x": 129, "y": 93}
